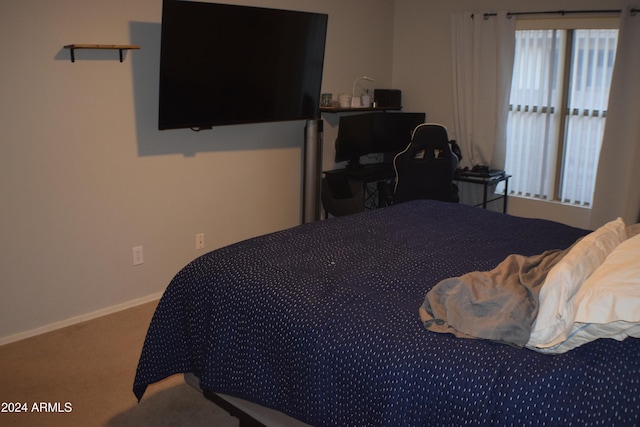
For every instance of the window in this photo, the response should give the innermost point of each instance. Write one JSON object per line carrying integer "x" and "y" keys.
{"x": 557, "y": 113}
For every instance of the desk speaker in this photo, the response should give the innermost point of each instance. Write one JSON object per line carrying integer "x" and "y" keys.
{"x": 387, "y": 98}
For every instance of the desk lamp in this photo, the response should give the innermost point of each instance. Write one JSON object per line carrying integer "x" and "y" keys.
{"x": 353, "y": 91}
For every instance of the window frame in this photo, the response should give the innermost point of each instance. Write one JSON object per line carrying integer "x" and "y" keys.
{"x": 569, "y": 24}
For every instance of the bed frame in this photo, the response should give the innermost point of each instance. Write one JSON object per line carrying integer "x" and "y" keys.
{"x": 248, "y": 414}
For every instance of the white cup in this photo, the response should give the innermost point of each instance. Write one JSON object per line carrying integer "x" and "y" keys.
{"x": 356, "y": 102}
{"x": 366, "y": 101}
{"x": 345, "y": 100}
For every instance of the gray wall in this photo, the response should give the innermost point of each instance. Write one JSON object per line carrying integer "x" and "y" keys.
{"x": 86, "y": 175}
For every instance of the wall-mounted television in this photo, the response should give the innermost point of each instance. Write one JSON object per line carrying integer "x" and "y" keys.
{"x": 224, "y": 64}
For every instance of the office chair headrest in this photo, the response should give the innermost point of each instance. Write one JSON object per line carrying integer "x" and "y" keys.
{"x": 431, "y": 131}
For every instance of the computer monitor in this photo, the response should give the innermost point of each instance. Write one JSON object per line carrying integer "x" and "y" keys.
{"x": 374, "y": 133}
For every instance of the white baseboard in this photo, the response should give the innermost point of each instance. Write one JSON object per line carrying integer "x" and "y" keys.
{"x": 79, "y": 319}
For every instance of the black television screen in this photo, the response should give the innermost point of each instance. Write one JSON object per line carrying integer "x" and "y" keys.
{"x": 224, "y": 64}
{"x": 374, "y": 133}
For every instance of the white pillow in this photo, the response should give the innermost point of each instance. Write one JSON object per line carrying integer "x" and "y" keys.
{"x": 608, "y": 303}
{"x": 632, "y": 230}
{"x": 612, "y": 292}
{"x": 583, "y": 333}
{"x": 554, "y": 321}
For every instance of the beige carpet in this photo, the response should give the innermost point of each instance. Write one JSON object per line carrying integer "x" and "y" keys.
{"x": 91, "y": 366}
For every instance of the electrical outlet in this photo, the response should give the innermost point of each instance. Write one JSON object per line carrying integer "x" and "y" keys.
{"x": 200, "y": 241}
{"x": 138, "y": 257}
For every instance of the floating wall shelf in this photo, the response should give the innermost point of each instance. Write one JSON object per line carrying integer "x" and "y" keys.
{"x": 119, "y": 47}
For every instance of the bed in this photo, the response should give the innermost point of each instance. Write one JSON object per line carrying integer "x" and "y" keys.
{"x": 321, "y": 322}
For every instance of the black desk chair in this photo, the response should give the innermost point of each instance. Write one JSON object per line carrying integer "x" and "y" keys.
{"x": 424, "y": 170}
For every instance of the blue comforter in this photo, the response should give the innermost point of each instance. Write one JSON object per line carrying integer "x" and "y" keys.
{"x": 321, "y": 322}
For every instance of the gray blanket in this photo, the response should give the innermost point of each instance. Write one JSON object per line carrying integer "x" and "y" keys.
{"x": 498, "y": 305}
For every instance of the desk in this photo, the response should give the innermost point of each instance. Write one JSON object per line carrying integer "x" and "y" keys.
{"x": 487, "y": 182}
{"x": 367, "y": 174}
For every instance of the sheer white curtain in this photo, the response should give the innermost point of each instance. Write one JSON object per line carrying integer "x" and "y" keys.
{"x": 483, "y": 50}
{"x": 535, "y": 113}
{"x": 541, "y": 123}
{"x": 585, "y": 122}
{"x": 617, "y": 192}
